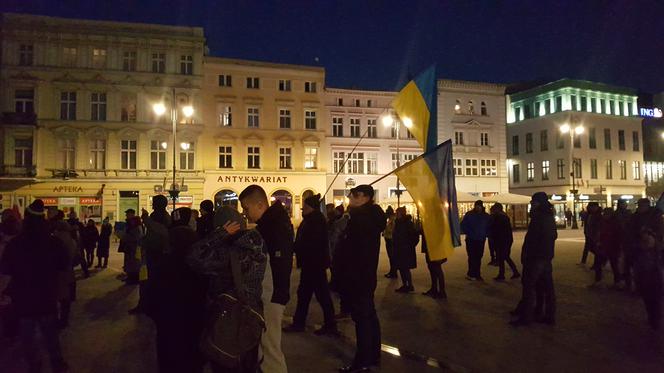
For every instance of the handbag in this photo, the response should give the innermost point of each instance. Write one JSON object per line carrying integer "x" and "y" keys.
{"x": 233, "y": 328}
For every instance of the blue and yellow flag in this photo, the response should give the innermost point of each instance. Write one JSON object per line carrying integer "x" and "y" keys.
{"x": 416, "y": 106}
{"x": 430, "y": 181}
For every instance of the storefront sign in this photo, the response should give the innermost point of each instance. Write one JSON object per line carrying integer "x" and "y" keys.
{"x": 651, "y": 112}
{"x": 67, "y": 189}
{"x": 50, "y": 201}
{"x": 252, "y": 179}
{"x": 68, "y": 201}
{"x": 90, "y": 201}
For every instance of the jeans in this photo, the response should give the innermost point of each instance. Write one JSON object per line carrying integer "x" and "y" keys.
{"x": 367, "y": 330}
{"x": 47, "y": 325}
{"x": 475, "y": 250}
{"x": 313, "y": 282}
{"x": 538, "y": 278}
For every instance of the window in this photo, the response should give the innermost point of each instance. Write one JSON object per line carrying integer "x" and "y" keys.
{"x": 310, "y": 119}
{"x": 396, "y": 162}
{"x": 629, "y": 109}
{"x": 372, "y": 163}
{"x": 338, "y": 127}
{"x": 471, "y": 167}
{"x": 602, "y": 105}
{"x": 623, "y": 169}
{"x": 394, "y": 129}
{"x": 458, "y": 138}
{"x": 97, "y": 154}
{"x": 128, "y": 108}
{"x": 98, "y": 58}
{"x": 225, "y": 157}
{"x": 68, "y": 105}
{"x": 285, "y": 158}
{"x": 340, "y": 102}
{"x": 609, "y": 169}
{"x": 559, "y": 104}
{"x": 593, "y": 168}
{"x": 560, "y": 168}
{"x": 158, "y": 155}
{"x": 488, "y": 167}
{"x": 354, "y": 127}
{"x": 578, "y": 167}
{"x": 636, "y": 170}
{"x": 530, "y": 169}
{"x": 471, "y": 107}
{"x": 458, "y": 167}
{"x": 517, "y": 114}
{"x": 67, "y": 154}
{"x": 284, "y": 85}
{"x": 253, "y": 83}
{"x": 310, "y": 87}
{"x": 574, "y": 102}
{"x": 338, "y": 161}
{"x": 544, "y": 140}
{"x": 284, "y": 118}
{"x": 515, "y": 145}
{"x": 310, "y": 158}
{"x": 621, "y": 139}
{"x": 538, "y": 109}
{"x": 516, "y": 173}
{"x": 25, "y": 54}
{"x": 253, "y": 157}
{"x": 186, "y": 64}
{"x": 24, "y": 100}
{"x": 612, "y": 107}
{"x": 484, "y": 139}
{"x": 129, "y": 61}
{"x": 592, "y": 138}
{"x": 560, "y": 140}
{"x": 252, "y": 117}
{"x": 372, "y": 128}
{"x": 591, "y": 100}
{"x": 357, "y": 103}
{"x": 355, "y": 164}
{"x": 547, "y": 106}
{"x": 98, "y": 106}
{"x": 483, "y": 108}
{"x": 457, "y": 107}
{"x": 545, "y": 170}
{"x": 187, "y": 155}
{"x": 23, "y": 152}
{"x": 607, "y": 139}
{"x": 584, "y": 103}
{"x": 159, "y": 63}
{"x": 225, "y": 81}
{"x": 69, "y": 56}
{"x": 620, "y": 108}
{"x": 128, "y": 154}
{"x": 529, "y": 142}
{"x": 635, "y": 141}
{"x": 577, "y": 140}
{"x": 225, "y": 115}
{"x": 369, "y": 103}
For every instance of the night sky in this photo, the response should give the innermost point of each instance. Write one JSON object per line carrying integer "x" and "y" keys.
{"x": 378, "y": 44}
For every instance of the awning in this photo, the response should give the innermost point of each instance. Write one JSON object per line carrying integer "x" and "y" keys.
{"x": 467, "y": 197}
{"x": 509, "y": 198}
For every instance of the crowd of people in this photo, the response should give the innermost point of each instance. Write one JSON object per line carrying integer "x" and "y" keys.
{"x": 195, "y": 273}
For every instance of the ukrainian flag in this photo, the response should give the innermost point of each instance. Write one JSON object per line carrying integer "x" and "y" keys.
{"x": 416, "y": 106}
{"x": 430, "y": 181}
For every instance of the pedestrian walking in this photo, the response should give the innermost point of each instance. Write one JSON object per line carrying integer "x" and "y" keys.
{"x": 435, "y": 267}
{"x": 176, "y": 301}
{"x": 104, "y": 243}
{"x": 405, "y": 238}
{"x": 312, "y": 253}
{"x": 129, "y": 241}
{"x": 205, "y": 223}
{"x": 591, "y": 230}
{"x": 33, "y": 260}
{"x": 275, "y": 227}
{"x": 536, "y": 256}
{"x": 583, "y": 216}
{"x": 89, "y": 239}
{"x": 357, "y": 263}
{"x": 66, "y": 283}
{"x": 501, "y": 238}
{"x": 608, "y": 248}
{"x": 389, "y": 243}
{"x": 211, "y": 257}
{"x": 568, "y": 217}
{"x": 474, "y": 225}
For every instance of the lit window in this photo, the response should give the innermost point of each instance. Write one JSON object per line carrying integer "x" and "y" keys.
{"x": 545, "y": 170}
{"x": 285, "y": 158}
{"x": 530, "y": 171}
{"x": 158, "y": 154}
{"x": 98, "y": 58}
{"x": 187, "y": 156}
{"x": 310, "y": 158}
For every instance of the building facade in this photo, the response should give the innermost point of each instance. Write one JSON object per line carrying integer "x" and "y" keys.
{"x": 572, "y": 135}
{"x": 653, "y": 140}
{"x": 78, "y": 129}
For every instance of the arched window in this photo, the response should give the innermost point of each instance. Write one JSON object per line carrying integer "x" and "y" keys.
{"x": 226, "y": 197}
{"x": 471, "y": 107}
{"x": 286, "y": 199}
{"x": 483, "y": 108}
{"x": 457, "y": 107}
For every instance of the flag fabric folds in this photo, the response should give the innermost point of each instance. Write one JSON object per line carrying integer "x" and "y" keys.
{"x": 430, "y": 181}
{"x": 417, "y": 102}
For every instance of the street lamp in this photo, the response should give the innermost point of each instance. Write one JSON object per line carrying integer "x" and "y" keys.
{"x": 578, "y": 130}
{"x": 188, "y": 111}
{"x": 388, "y": 121}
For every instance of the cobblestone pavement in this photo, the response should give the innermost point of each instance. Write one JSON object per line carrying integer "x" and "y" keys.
{"x": 598, "y": 329}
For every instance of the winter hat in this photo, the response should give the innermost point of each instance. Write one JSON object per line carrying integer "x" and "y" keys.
{"x": 226, "y": 214}
{"x": 36, "y": 208}
{"x": 313, "y": 201}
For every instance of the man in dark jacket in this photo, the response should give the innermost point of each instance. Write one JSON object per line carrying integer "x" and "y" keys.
{"x": 536, "y": 256}
{"x": 32, "y": 260}
{"x": 205, "y": 224}
{"x": 357, "y": 263}
{"x": 313, "y": 258}
{"x": 500, "y": 237}
{"x": 275, "y": 226}
{"x": 89, "y": 238}
{"x": 404, "y": 240}
{"x": 474, "y": 226}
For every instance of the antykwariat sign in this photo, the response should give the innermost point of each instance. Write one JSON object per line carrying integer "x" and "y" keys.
{"x": 251, "y": 179}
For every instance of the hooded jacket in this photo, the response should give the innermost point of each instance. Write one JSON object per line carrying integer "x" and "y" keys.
{"x": 311, "y": 243}
{"x": 277, "y": 231}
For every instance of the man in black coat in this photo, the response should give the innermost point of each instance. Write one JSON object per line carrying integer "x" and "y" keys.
{"x": 313, "y": 258}
{"x": 501, "y": 238}
{"x": 404, "y": 240}
{"x": 275, "y": 226}
{"x": 536, "y": 256}
{"x": 357, "y": 263}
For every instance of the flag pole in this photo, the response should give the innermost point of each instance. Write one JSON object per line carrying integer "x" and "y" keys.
{"x": 343, "y": 165}
{"x": 409, "y": 162}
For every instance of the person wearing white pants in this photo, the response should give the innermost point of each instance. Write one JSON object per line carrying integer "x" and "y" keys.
{"x": 273, "y": 359}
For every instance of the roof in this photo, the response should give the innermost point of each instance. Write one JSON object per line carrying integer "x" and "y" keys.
{"x": 527, "y": 91}
{"x": 255, "y": 63}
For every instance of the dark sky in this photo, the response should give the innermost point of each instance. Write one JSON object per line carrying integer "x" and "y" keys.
{"x": 377, "y": 44}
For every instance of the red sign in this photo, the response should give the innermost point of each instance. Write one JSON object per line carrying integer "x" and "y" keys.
{"x": 89, "y": 201}
{"x": 50, "y": 201}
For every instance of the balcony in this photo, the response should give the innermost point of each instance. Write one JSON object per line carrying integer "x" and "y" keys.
{"x": 18, "y": 171}
{"x": 28, "y": 119}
